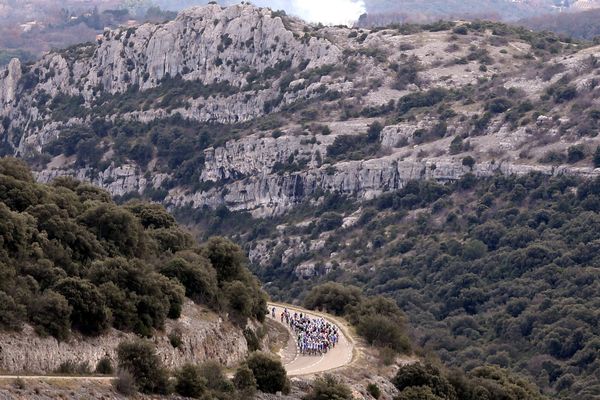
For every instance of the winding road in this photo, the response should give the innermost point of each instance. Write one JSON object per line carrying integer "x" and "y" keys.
{"x": 297, "y": 364}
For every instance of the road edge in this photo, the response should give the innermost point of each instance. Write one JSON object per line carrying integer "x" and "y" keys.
{"x": 344, "y": 325}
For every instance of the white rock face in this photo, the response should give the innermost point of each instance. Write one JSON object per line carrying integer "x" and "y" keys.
{"x": 8, "y": 85}
{"x": 267, "y": 175}
{"x": 210, "y": 44}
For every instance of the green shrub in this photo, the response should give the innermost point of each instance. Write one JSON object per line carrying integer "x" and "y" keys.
{"x": 90, "y": 314}
{"x": 175, "y": 339}
{"x": 461, "y": 30}
{"x": 332, "y": 297}
{"x": 140, "y": 359}
{"x": 374, "y": 390}
{"x": 468, "y": 161}
{"x": 498, "y": 105}
{"x": 74, "y": 368}
{"x": 215, "y": 377}
{"x": 11, "y": 313}
{"x": 189, "y": 382}
{"x": 268, "y": 371}
{"x": 329, "y": 388}
{"x": 252, "y": 340}
{"x": 244, "y": 381}
{"x": 562, "y": 94}
{"x": 597, "y": 157}
{"x": 50, "y": 313}
{"x": 421, "y": 99}
{"x": 575, "y": 154}
{"x": 380, "y": 331}
{"x": 105, "y": 366}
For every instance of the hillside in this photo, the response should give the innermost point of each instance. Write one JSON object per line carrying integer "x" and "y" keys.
{"x": 85, "y": 274}
{"x": 381, "y": 12}
{"x": 445, "y": 165}
{"x": 186, "y": 112}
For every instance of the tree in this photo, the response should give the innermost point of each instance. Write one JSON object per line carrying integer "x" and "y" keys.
{"x": 332, "y": 297}
{"x": 11, "y": 313}
{"x": 226, "y": 258}
{"x": 190, "y": 382}
{"x": 50, "y": 313}
{"x": 418, "y": 393}
{"x": 457, "y": 145}
{"x": 413, "y": 376}
{"x": 239, "y": 298}
{"x": 329, "y": 221}
{"x": 268, "y": 371}
{"x": 374, "y": 390}
{"x": 469, "y": 162}
{"x": 116, "y": 227}
{"x": 90, "y": 314}
{"x": 140, "y": 359}
{"x": 374, "y": 131}
{"x": 380, "y": 331}
{"x": 474, "y": 249}
{"x": 197, "y": 276}
{"x": 575, "y": 154}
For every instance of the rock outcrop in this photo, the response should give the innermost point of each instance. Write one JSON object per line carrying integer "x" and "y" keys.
{"x": 204, "y": 336}
{"x": 8, "y": 84}
{"x": 250, "y": 68}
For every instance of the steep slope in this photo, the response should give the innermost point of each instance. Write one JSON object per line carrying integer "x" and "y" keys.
{"x": 81, "y": 274}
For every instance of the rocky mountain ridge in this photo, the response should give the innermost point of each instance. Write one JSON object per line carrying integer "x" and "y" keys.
{"x": 275, "y": 95}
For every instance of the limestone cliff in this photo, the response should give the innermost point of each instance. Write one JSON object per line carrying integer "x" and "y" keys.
{"x": 261, "y": 98}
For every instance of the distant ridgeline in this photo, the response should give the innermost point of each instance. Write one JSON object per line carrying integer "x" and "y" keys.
{"x": 70, "y": 258}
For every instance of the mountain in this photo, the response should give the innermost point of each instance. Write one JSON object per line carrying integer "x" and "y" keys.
{"x": 259, "y": 111}
{"x": 382, "y": 12}
{"x": 449, "y": 166}
{"x": 582, "y": 25}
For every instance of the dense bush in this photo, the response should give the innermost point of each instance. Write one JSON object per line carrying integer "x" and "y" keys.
{"x": 268, "y": 371}
{"x": 244, "y": 381}
{"x": 333, "y": 298}
{"x": 70, "y": 258}
{"x": 105, "y": 366}
{"x": 377, "y": 319}
{"x": 426, "y": 381}
{"x": 189, "y": 381}
{"x": 329, "y": 388}
{"x": 139, "y": 358}
{"x": 352, "y": 147}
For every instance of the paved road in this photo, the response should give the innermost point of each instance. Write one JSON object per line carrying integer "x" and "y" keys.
{"x": 297, "y": 364}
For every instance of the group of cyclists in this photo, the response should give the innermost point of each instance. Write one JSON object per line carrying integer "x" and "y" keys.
{"x": 315, "y": 336}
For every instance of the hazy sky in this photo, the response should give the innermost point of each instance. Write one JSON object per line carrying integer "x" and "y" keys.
{"x": 326, "y": 11}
